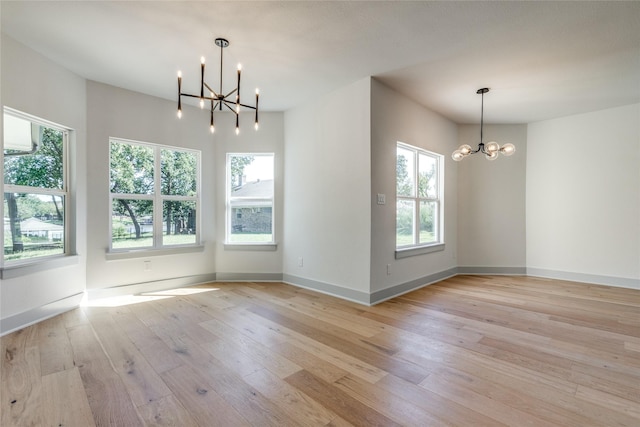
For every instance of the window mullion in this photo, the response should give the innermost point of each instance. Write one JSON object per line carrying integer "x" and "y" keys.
{"x": 157, "y": 199}
{"x": 416, "y": 204}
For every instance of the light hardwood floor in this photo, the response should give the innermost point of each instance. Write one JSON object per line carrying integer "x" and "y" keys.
{"x": 468, "y": 351}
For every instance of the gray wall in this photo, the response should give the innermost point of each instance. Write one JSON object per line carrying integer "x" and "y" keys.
{"x": 491, "y": 202}
{"x": 583, "y": 197}
{"x": 395, "y": 118}
{"x": 34, "y": 85}
{"x": 327, "y": 212}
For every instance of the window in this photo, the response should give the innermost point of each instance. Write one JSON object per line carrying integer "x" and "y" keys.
{"x": 154, "y": 196}
{"x": 250, "y": 199}
{"x": 418, "y": 197}
{"x": 35, "y": 189}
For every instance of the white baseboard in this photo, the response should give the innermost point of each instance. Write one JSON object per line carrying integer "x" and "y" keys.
{"x": 38, "y": 314}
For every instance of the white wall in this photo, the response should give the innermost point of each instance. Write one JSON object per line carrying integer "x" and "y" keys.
{"x": 491, "y": 203}
{"x": 34, "y": 85}
{"x": 327, "y": 210}
{"x": 244, "y": 262}
{"x": 396, "y": 118}
{"x": 583, "y": 197}
{"x": 115, "y": 112}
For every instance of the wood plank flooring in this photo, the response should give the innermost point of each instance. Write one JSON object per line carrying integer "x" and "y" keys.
{"x": 468, "y": 351}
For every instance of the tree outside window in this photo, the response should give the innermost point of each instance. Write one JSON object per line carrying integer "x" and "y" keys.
{"x": 418, "y": 198}
{"x": 154, "y": 195}
{"x": 35, "y": 188}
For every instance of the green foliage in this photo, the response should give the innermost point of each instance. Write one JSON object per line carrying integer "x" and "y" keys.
{"x": 131, "y": 168}
{"x": 404, "y": 182}
{"x": 41, "y": 169}
{"x": 238, "y": 163}
{"x": 178, "y": 172}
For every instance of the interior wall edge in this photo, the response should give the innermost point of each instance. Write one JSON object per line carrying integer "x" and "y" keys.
{"x": 249, "y": 277}
{"x": 327, "y": 288}
{"x": 620, "y": 282}
{"x": 38, "y": 314}
{"x": 152, "y": 286}
{"x": 506, "y": 271}
{"x": 403, "y": 288}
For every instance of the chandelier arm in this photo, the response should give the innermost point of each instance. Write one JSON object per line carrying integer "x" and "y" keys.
{"x": 480, "y": 149}
{"x": 215, "y": 95}
{"x": 222, "y": 45}
{"x": 231, "y": 93}
{"x": 248, "y": 106}
{"x": 190, "y": 96}
{"x": 481, "y": 121}
{"x": 226, "y": 104}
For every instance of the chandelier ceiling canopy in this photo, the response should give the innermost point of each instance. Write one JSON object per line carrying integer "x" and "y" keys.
{"x": 490, "y": 149}
{"x": 218, "y": 100}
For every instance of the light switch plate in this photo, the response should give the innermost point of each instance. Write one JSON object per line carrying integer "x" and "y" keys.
{"x": 381, "y": 199}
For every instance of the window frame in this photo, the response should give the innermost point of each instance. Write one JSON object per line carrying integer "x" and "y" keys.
{"x": 157, "y": 199}
{"x": 417, "y": 248}
{"x": 64, "y": 193}
{"x": 267, "y": 245}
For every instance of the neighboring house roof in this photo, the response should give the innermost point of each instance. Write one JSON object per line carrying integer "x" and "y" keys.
{"x": 262, "y": 189}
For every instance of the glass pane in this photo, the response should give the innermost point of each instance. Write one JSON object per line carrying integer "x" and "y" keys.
{"x": 405, "y": 172}
{"x": 405, "y": 222}
{"x": 42, "y": 168}
{"x": 131, "y": 168}
{"x": 132, "y": 224}
{"x": 178, "y": 170}
{"x": 251, "y": 176}
{"x": 33, "y": 225}
{"x": 179, "y": 226}
{"x": 251, "y": 224}
{"x": 427, "y": 177}
{"x": 428, "y": 221}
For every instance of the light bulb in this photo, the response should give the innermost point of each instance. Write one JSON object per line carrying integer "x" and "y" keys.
{"x": 457, "y": 155}
{"x": 465, "y": 149}
{"x": 179, "y": 74}
{"x": 256, "y": 126}
{"x": 257, "y": 91}
{"x": 212, "y": 129}
{"x": 179, "y": 114}
{"x": 202, "y": 59}
{"x": 237, "y": 108}
{"x": 492, "y": 155}
{"x": 237, "y": 131}
{"x": 201, "y": 102}
{"x": 492, "y": 147}
{"x": 239, "y": 67}
{"x": 508, "y": 149}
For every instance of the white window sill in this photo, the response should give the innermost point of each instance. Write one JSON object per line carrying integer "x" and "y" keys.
{"x": 419, "y": 250}
{"x": 35, "y": 266}
{"x": 250, "y": 246}
{"x": 144, "y": 253}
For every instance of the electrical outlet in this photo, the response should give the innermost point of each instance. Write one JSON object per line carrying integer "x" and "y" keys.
{"x": 388, "y": 269}
{"x": 300, "y": 262}
{"x": 147, "y": 266}
{"x": 381, "y": 199}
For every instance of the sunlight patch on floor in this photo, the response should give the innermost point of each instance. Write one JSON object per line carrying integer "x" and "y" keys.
{"x": 122, "y": 300}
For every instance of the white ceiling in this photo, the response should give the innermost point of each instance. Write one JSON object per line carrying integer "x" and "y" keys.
{"x": 540, "y": 59}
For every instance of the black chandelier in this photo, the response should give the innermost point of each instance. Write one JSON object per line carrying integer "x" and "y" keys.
{"x": 218, "y": 99}
{"x": 491, "y": 149}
